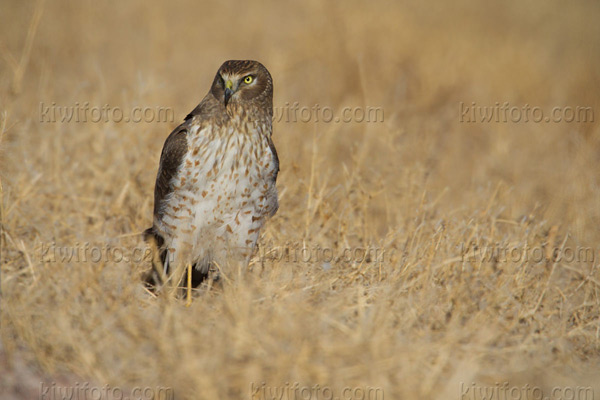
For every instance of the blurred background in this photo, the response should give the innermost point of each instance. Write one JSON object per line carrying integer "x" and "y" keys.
{"x": 417, "y": 63}
{"x": 428, "y": 177}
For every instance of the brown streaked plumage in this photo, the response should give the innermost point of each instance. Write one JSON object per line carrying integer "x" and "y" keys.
{"x": 215, "y": 185}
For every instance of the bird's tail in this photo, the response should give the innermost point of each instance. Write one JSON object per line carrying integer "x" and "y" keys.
{"x": 155, "y": 277}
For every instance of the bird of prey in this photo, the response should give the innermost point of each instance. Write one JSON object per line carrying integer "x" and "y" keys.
{"x": 215, "y": 186}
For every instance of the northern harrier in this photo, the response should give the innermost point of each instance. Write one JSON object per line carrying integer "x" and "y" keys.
{"x": 216, "y": 180}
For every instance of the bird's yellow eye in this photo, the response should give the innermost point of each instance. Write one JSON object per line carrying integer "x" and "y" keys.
{"x": 248, "y": 79}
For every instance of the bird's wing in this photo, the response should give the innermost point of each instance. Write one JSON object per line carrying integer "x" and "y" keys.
{"x": 194, "y": 112}
{"x": 171, "y": 158}
{"x": 275, "y": 158}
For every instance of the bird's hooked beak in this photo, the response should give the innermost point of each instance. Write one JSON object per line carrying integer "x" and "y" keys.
{"x": 228, "y": 91}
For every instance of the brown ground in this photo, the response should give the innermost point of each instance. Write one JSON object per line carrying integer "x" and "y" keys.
{"x": 419, "y": 319}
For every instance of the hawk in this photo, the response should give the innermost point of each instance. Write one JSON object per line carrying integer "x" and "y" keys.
{"x": 215, "y": 186}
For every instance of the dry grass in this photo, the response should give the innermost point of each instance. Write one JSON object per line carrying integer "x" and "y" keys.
{"x": 420, "y": 186}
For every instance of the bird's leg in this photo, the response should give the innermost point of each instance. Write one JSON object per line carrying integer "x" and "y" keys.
{"x": 213, "y": 277}
{"x": 189, "y": 285}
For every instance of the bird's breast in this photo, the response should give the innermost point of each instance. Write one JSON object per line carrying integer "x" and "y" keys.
{"x": 229, "y": 169}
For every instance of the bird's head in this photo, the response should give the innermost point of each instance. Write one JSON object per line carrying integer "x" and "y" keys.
{"x": 240, "y": 81}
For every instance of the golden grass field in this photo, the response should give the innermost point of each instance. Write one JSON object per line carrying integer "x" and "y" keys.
{"x": 432, "y": 311}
